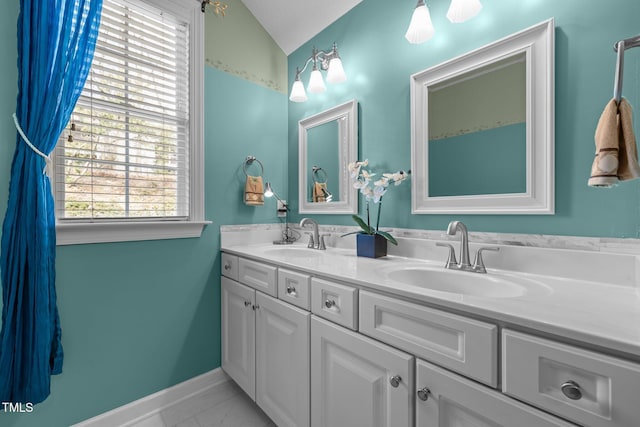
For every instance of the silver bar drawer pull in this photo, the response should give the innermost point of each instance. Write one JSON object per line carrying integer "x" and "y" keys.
{"x": 572, "y": 390}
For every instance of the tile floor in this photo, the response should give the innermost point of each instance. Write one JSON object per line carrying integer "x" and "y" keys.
{"x": 225, "y": 405}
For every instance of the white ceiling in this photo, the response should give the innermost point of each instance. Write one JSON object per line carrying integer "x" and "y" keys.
{"x": 291, "y": 23}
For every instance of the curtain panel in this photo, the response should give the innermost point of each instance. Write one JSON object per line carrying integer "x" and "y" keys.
{"x": 56, "y": 41}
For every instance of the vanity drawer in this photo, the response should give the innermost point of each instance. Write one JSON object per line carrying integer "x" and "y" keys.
{"x": 259, "y": 276}
{"x": 452, "y": 400}
{"x": 464, "y": 345}
{"x": 335, "y": 302}
{"x": 603, "y": 390}
{"x": 293, "y": 288}
{"x": 229, "y": 266}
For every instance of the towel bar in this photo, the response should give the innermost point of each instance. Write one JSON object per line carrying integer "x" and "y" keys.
{"x": 620, "y": 47}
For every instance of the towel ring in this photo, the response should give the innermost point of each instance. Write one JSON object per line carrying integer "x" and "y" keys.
{"x": 248, "y": 161}
{"x": 316, "y": 170}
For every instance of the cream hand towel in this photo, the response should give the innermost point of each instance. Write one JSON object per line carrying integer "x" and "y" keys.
{"x": 254, "y": 191}
{"x": 319, "y": 195}
{"x": 629, "y": 167}
{"x": 616, "y": 153}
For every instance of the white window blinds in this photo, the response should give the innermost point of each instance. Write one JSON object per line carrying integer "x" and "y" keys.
{"x": 125, "y": 151}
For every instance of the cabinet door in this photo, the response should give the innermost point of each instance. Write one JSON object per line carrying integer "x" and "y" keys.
{"x": 453, "y": 401}
{"x": 238, "y": 334}
{"x": 351, "y": 380}
{"x": 282, "y": 361}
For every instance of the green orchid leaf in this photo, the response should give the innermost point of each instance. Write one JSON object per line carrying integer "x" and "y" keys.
{"x": 388, "y": 236}
{"x": 367, "y": 229}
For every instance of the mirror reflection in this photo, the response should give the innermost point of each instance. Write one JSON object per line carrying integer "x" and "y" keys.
{"x": 488, "y": 125}
{"x": 323, "y": 161}
{"x": 327, "y": 142}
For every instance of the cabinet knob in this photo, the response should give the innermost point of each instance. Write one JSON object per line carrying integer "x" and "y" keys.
{"x": 291, "y": 291}
{"x": 423, "y": 394}
{"x": 330, "y": 303}
{"x": 247, "y": 303}
{"x": 227, "y": 266}
{"x": 572, "y": 390}
{"x": 256, "y": 307}
{"x": 395, "y": 381}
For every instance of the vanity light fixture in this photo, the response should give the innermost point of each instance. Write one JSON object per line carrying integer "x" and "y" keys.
{"x": 421, "y": 28}
{"x": 327, "y": 61}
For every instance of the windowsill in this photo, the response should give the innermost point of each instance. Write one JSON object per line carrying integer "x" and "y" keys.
{"x": 109, "y": 232}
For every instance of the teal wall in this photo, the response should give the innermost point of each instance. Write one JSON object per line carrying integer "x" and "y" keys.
{"x": 139, "y": 317}
{"x": 378, "y": 62}
{"x": 493, "y": 157}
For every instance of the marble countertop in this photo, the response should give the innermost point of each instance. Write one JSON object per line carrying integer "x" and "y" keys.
{"x": 594, "y": 313}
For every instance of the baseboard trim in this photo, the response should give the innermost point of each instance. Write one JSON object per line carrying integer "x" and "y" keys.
{"x": 147, "y": 406}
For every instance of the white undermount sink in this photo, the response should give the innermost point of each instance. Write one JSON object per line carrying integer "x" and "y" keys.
{"x": 487, "y": 285}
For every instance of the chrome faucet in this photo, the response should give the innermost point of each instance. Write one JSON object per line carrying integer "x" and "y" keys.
{"x": 464, "y": 264}
{"x": 315, "y": 241}
{"x": 454, "y": 227}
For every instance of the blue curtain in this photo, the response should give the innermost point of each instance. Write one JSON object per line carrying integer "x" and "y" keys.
{"x": 56, "y": 41}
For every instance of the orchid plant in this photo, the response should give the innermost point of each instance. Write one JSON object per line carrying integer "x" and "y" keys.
{"x": 373, "y": 190}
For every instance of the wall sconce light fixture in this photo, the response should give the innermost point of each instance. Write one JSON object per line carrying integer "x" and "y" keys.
{"x": 327, "y": 61}
{"x": 421, "y": 28}
{"x": 282, "y": 210}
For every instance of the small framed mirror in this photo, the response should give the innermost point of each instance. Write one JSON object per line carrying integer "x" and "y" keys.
{"x": 327, "y": 142}
{"x": 483, "y": 129}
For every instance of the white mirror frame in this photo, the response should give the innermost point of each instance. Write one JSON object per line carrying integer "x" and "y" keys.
{"x": 537, "y": 42}
{"x": 347, "y": 202}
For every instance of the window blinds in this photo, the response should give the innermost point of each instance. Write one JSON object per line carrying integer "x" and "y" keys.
{"x": 125, "y": 151}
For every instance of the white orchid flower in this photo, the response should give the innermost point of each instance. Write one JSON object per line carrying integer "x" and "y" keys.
{"x": 360, "y": 183}
{"x": 367, "y": 192}
{"x": 378, "y": 192}
{"x": 354, "y": 168}
{"x": 382, "y": 182}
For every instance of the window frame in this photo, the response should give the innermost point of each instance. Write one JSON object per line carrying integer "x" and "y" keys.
{"x": 83, "y": 231}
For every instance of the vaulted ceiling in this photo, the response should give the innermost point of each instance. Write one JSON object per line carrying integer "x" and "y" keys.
{"x": 291, "y": 23}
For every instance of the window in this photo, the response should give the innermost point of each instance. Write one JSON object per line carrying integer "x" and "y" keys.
{"x": 129, "y": 164}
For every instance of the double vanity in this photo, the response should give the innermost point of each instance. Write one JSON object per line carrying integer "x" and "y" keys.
{"x": 547, "y": 337}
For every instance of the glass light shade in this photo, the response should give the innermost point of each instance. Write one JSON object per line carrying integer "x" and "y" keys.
{"x": 297, "y": 93}
{"x": 268, "y": 191}
{"x": 420, "y": 28}
{"x": 463, "y": 10}
{"x": 335, "y": 73}
{"x": 316, "y": 84}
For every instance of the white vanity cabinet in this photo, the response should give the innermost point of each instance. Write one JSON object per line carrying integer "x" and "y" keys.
{"x": 265, "y": 349}
{"x": 326, "y": 353}
{"x": 358, "y": 382}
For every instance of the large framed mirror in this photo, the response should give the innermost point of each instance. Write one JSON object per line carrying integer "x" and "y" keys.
{"x": 327, "y": 142}
{"x": 482, "y": 139}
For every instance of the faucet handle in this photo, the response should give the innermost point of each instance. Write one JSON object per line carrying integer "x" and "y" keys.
{"x": 311, "y": 244}
{"x": 451, "y": 260}
{"x": 478, "y": 264}
{"x": 321, "y": 244}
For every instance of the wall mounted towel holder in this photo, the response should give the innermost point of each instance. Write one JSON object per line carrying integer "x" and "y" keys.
{"x": 620, "y": 47}
{"x": 249, "y": 161}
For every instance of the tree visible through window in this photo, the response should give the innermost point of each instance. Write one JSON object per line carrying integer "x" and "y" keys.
{"x": 125, "y": 151}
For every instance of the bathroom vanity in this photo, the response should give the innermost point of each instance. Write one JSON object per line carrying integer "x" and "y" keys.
{"x": 327, "y": 339}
